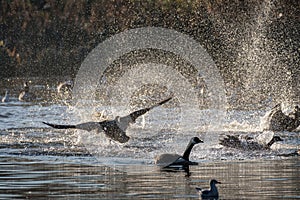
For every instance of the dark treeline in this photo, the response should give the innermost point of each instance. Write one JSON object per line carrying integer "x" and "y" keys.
{"x": 52, "y": 37}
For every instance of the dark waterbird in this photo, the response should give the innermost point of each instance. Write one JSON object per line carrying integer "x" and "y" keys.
{"x": 276, "y": 120}
{"x": 114, "y": 129}
{"x": 212, "y": 193}
{"x": 247, "y": 144}
{"x": 175, "y": 161}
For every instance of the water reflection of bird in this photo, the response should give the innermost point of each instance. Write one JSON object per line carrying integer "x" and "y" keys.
{"x": 276, "y": 120}
{"x": 176, "y": 161}
{"x": 212, "y": 193}
{"x": 248, "y": 143}
{"x": 114, "y": 129}
{"x": 6, "y": 97}
{"x": 25, "y": 95}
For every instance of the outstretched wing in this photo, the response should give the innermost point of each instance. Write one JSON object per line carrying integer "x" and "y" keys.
{"x": 272, "y": 119}
{"x": 57, "y": 126}
{"x": 136, "y": 114}
{"x": 88, "y": 126}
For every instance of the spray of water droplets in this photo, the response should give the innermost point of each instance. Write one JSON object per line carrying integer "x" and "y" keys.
{"x": 143, "y": 84}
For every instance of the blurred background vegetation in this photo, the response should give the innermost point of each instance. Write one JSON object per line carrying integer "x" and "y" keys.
{"x": 52, "y": 37}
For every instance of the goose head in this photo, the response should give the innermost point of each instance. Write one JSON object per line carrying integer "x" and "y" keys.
{"x": 214, "y": 182}
{"x": 193, "y": 141}
{"x": 26, "y": 87}
{"x": 274, "y": 139}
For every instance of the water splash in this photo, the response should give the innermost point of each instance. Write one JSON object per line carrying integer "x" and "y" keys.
{"x": 133, "y": 85}
{"x": 265, "y": 78}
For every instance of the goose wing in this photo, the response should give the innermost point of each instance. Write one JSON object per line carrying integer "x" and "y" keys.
{"x": 166, "y": 159}
{"x": 88, "y": 126}
{"x": 136, "y": 114}
{"x": 231, "y": 141}
{"x": 278, "y": 121}
{"x": 234, "y": 142}
{"x": 59, "y": 126}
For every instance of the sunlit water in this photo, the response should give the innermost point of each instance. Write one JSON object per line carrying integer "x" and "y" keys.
{"x": 40, "y": 162}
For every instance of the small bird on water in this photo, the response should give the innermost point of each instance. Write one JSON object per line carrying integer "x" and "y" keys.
{"x": 64, "y": 86}
{"x": 6, "y": 97}
{"x": 212, "y": 193}
{"x": 114, "y": 129}
{"x": 25, "y": 95}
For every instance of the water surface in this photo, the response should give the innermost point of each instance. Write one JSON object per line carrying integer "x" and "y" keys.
{"x": 38, "y": 162}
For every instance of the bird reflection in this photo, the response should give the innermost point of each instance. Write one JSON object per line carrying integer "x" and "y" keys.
{"x": 179, "y": 168}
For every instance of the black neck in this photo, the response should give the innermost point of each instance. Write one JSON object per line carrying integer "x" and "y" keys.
{"x": 271, "y": 142}
{"x": 186, "y": 154}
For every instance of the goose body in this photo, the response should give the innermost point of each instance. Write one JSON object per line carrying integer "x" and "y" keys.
{"x": 114, "y": 129}
{"x": 177, "y": 161}
{"x": 64, "y": 86}
{"x": 25, "y": 95}
{"x": 212, "y": 193}
{"x": 276, "y": 120}
{"x": 6, "y": 97}
{"x": 248, "y": 143}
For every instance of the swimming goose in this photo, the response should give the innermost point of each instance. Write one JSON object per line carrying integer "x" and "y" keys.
{"x": 64, "y": 86}
{"x": 6, "y": 97}
{"x": 276, "y": 120}
{"x": 114, "y": 129}
{"x": 212, "y": 193}
{"x": 177, "y": 161}
{"x": 248, "y": 143}
{"x": 26, "y": 95}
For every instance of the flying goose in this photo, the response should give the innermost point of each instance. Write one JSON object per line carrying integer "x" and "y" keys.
{"x": 114, "y": 129}
{"x": 212, "y": 193}
{"x": 177, "y": 161}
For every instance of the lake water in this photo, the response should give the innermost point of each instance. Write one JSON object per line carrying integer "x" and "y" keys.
{"x": 38, "y": 162}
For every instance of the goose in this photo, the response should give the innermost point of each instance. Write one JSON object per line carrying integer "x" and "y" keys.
{"x": 212, "y": 193}
{"x": 25, "y": 95}
{"x": 114, "y": 129}
{"x": 6, "y": 97}
{"x": 177, "y": 161}
{"x": 64, "y": 86}
{"x": 276, "y": 120}
{"x": 247, "y": 143}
